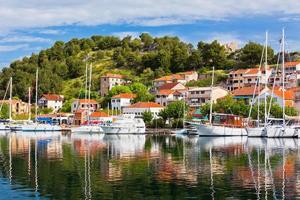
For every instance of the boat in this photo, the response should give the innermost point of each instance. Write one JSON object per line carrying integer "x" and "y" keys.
{"x": 87, "y": 129}
{"x": 125, "y": 124}
{"x": 220, "y": 124}
{"x": 33, "y": 126}
{"x": 258, "y": 129}
{"x": 279, "y": 126}
{"x": 5, "y": 124}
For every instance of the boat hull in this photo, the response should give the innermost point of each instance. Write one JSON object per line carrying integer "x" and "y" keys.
{"x": 280, "y": 132}
{"x": 256, "y": 132}
{"x": 215, "y": 131}
{"x": 87, "y": 129}
{"x": 122, "y": 130}
{"x": 38, "y": 128}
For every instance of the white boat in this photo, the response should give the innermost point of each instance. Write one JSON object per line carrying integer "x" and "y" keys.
{"x": 125, "y": 124}
{"x": 31, "y": 126}
{"x": 256, "y": 131}
{"x": 214, "y": 130}
{"x": 87, "y": 129}
{"x": 276, "y": 131}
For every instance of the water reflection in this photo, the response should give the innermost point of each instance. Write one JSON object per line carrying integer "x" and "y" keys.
{"x": 82, "y": 166}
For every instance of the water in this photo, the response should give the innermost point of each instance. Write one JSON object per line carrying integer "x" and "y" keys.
{"x": 52, "y": 166}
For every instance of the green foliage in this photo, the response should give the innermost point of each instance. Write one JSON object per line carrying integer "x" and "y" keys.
{"x": 4, "y": 113}
{"x": 45, "y": 110}
{"x": 67, "y": 106}
{"x": 147, "y": 117}
{"x": 142, "y": 92}
{"x": 174, "y": 110}
{"x": 158, "y": 123}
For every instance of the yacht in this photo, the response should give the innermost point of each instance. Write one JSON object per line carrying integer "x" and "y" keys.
{"x": 87, "y": 129}
{"x": 125, "y": 124}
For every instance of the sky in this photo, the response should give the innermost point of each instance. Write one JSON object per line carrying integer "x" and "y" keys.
{"x": 29, "y": 26}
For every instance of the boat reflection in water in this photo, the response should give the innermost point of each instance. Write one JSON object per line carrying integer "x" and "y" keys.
{"x": 96, "y": 166}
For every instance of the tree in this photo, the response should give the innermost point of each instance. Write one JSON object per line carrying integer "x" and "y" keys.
{"x": 4, "y": 113}
{"x": 251, "y": 53}
{"x": 146, "y": 39}
{"x": 147, "y": 117}
{"x": 141, "y": 91}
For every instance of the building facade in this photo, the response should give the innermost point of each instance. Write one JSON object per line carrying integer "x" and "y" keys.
{"x": 198, "y": 96}
{"x": 182, "y": 78}
{"x": 17, "y": 106}
{"x": 84, "y": 104}
{"x": 121, "y": 100}
{"x": 108, "y": 81}
{"x": 139, "y": 108}
{"x": 53, "y": 101}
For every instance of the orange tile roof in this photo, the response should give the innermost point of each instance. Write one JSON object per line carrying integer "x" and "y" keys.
{"x": 252, "y": 71}
{"x": 239, "y": 71}
{"x": 145, "y": 105}
{"x": 165, "y": 92}
{"x": 53, "y": 97}
{"x": 291, "y": 64}
{"x": 188, "y": 72}
{"x": 124, "y": 96}
{"x": 110, "y": 75}
{"x": 295, "y": 89}
{"x": 87, "y": 101}
{"x": 245, "y": 91}
{"x": 288, "y": 94}
{"x": 99, "y": 114}
{"x": 168, "y": 86}
{"x": 170, "y": 77}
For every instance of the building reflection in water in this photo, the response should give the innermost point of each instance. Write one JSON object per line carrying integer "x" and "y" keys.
{"x": 269, "y": 167}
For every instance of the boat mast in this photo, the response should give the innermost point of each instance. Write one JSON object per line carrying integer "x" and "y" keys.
{"x": 89, "y": 94}
{"x": 266, "y": 80}
{"x": 211, "y": 91}
{"x": 29, "y": 103}
{"x": 86, "y": 81}
{"x": 10, "y": 99}
{"x": 36, "y": 92}
{"x": 283, "y": 79}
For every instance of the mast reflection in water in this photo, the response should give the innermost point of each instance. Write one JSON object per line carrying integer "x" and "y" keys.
{"x": 98, "y": 166}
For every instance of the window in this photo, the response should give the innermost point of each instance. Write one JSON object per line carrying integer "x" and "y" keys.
{"x": 202, "y": 92}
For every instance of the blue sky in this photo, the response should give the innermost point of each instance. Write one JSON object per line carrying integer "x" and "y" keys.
{"x": 31, "y": 25}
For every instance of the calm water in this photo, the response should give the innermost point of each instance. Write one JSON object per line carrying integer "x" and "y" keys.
{"x": 46, "y": 166}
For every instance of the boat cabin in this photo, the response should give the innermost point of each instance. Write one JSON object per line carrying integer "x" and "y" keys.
{"x": 228, "y": 120}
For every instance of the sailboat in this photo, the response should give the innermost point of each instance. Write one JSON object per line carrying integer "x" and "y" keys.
{"x": 89, "y": 128}
{"x": 30, "y": 126}
{"x": 259, "y": 130}
{"x": 223, "y": 124}
{"x": 280, "y": 128}
{"x": 5, "y": 124}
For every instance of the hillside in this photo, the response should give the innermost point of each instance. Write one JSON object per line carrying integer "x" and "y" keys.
{"x": 62, "y": 66}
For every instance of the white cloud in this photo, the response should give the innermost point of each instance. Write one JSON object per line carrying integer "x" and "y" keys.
{"x": 17, "y": 14}
{"x": 126, "y": 33}
{"x": 20, "y": 38}
{"x": 225, "y": 38}
{"x": 51, "y": 32}
{"x": 8, "y": 48}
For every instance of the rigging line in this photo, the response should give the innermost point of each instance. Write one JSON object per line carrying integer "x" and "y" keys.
{"x": 8, "y": 85}
{"x": 275, "y": 81}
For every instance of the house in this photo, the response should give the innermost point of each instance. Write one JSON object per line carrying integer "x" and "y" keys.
{"x": 197, "y": 96}
{"x": 121, "y": 100}
{"x": 84, "y": 104}
{"x": 172, "y": 86}
{"x": 80, "y": 116}
{"x": 289, "y": 97}
{"x": 247, "y": 77}
{"x": 108, "y": 81}
{"x": 182, "y": 77}
{"x": 139, "y": 108}
{"x": 53, "y": 101}
{"x": 18, "y": 106}
{"x": 292, "y": 75}
{"x": 296, "y": 91}
{"x": 247, "y": 93}
{"x": 165, "y": 97}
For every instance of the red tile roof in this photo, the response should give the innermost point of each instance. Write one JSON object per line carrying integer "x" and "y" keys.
{"x": 110, "y": 75}
{"x": 53, "y": 97}
{"x": 124, "y": 96}
{"x": 171, "y": 77}
{"x": 246, "y": 91}
{"x": 99, "y": 114}
{"x": 288, "y": 94}
{"x": 291, "y": 64}
{"x": 165, "y": 92}
{"x": 188, "y": 72}
{"x": 145, "y": 105}
{"x": 168, "y": 86}
{"x": 87, "y": 101}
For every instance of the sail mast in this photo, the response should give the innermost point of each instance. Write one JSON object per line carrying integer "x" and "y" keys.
{"x": 211, "y": 100}
{"x": 36, "y": 92}
{"x": 283, "y": 78}
{"x": 29, "y": 103}
{"x": 266, "y": 78}
{"x": 89, "y": 94}
{"x": 10, "y": 99}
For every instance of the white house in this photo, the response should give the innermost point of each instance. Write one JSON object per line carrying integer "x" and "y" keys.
{"x": 121, "y": 100}
{"x": 139, "y": 108}
{"x": 84, "y": 104}
{"x": 164, "y": 97}
{"x": 200, "y": 95}
{"x": 108, "y": 81}
{"x": 52, "y": 101}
